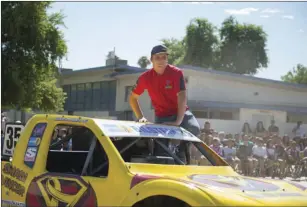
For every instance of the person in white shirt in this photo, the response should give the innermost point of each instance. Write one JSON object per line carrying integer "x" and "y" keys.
{"x": 260, "y": 153}
{"x": 222, "y": 136}
{"x": 298, "y": 131}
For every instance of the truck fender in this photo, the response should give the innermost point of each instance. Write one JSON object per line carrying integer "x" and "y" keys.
{"x": 186, "y": 192}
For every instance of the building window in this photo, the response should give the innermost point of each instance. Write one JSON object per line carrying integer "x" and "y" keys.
{"x": 127, "y": 92}
{"x": 203, "y": 114}
{"x": 90, "y": 96}
{"x": 80, "y": 95}
{"x": 225, "y": 115}
{"x": 217, "y": 114}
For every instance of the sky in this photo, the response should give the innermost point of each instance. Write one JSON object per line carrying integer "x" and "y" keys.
{"x": 133, "y": 28}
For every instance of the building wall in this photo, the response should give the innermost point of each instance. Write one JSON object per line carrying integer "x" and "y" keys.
{"x": 123, "y": 105}
{"x": 210, "y": 87}
{"x": 253, "y": 116}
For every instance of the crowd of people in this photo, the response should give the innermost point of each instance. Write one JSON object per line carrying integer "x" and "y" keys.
{"x": 259, "y": 152}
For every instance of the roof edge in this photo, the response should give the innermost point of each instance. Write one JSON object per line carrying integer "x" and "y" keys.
{"x": 196, "y": 68}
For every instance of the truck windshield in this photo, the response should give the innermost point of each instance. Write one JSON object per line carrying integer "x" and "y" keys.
{"x": 162, "y": 151}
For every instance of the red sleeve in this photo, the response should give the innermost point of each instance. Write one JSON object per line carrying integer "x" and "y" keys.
{"x": 180, "y": 82}
{"x": 139, "y": 86}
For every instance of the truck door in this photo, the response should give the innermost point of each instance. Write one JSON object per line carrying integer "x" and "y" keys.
{"x": 63, "y": 183}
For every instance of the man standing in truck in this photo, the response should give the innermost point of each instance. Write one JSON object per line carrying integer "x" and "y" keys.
{"x": 166, "y": 87}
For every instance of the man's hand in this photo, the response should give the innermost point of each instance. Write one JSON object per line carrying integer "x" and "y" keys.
{"x": 143, "y": 120}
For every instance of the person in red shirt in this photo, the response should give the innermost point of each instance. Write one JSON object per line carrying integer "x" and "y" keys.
{"x": 166, "y": 87}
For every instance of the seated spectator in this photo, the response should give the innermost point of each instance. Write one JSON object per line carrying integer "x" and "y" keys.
{"x": 202, "y": 136}
{"x": 280, "y": 155}
{"x": 271, "y": 156}
{"x": 252, "y": 139}
{"x": 246, "y": 129}
{"x": 2, "y": 141}
{"x": 228, "y": 136}
{"x": 208, "y": 139}
{"x": 221, "y": 136}
{"x": 260, "y": 153}
{"x": 216, "y": 146}
{"x": 293, "y": 154}
{"x": 273, "y": 129}
{"x": 286, "y": 141}
{"x": 207, "y": 128}
{"x": 299, "y": 143}
{"x": 229, "y": 153}
{"x": 215, "y": 134}
{"x": 244, "y": 153}
{"x": 238, "y": 139}
{"x": 260, "y": 131}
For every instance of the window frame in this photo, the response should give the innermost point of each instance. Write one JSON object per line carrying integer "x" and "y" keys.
{"x": 90, "y": 151}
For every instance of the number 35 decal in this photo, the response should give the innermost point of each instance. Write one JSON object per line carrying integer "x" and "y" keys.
{"x": 11, "y": 136}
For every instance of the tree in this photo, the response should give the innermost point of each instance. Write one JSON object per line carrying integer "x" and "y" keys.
{"x": 143, "y": 62}
{"x": 297, "y": 75}
{"x": 176, "y": 50}
{"x": 243, "y": 47}
{"x": 200, "y": 43}
{"x": 31, "y": 45}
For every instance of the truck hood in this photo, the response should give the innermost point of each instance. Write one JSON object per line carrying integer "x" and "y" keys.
{"x": 225, "y": 186}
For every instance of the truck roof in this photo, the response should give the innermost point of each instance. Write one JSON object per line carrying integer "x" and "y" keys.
{"x": 119, "y": 128}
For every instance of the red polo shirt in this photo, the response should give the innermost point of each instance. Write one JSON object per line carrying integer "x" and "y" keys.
{"x": 162, "y": 89}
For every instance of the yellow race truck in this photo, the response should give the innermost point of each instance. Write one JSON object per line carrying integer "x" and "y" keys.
{"x": 121, "y": 163}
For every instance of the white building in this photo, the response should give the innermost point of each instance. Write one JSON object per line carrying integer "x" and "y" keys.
{"x": 225, "y": 99}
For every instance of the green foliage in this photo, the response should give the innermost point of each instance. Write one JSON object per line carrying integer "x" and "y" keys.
{"x": 235, "y": 47}
{"x": 143, "y": 62}
{"x": 242, "y": 48}
{"x": 200, "y": 41}
{"x": 297, "y": 75}
{"x": 176, "y": 50}
{"x": 31, "y": 45}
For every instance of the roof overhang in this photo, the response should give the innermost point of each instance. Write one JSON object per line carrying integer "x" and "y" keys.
{"x": 243, "y": 77}
{"x": 201, "y": 105}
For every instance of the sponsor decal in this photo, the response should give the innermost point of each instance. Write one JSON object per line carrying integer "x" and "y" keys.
{"x": 34, "y": 142}
{"x": 8, "y": 169}
{"x": 168, "y": 85}
{"x": 30, "y": 154}
{"x": 71, "y": 119}
{"x": 39, "y": 130}
{"x": 12, "y": 185}
{"x": 156, "y": 130}
{"x": 116, "y": 128}
{"x": 56, "y": 190}
{"x": 9, "y": 203}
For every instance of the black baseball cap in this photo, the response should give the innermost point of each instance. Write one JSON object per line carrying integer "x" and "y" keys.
{"x": 158, "y": 49}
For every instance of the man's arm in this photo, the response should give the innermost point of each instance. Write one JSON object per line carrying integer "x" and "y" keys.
{"x": 134, "y": 104}
{"x": 182, "y": 100}
{"x": 137, "y": 90}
